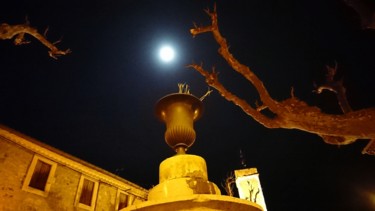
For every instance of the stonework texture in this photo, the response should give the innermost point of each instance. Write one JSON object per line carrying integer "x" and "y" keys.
{"x": 15, "y": 161}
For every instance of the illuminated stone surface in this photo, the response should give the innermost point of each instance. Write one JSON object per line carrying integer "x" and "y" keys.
{"x": 197, "y": 202}
{"x": 180, "y": 166}
{"x": 182, "y": 175}
{"x": 248, "y": 186}
{"x": 183, "y": 179}
{"x": 179, "y": 111}
{"x": 17, "y": 153}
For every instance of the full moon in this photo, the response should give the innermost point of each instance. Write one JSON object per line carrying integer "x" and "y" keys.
{"x": 166, "y": 53}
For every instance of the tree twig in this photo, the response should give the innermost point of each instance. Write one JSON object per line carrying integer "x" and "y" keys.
{"x": 18, "y": 33}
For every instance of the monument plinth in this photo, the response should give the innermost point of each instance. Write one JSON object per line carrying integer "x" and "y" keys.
{"x": 183, "y": 179}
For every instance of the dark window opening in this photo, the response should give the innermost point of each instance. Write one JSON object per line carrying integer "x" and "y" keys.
{"x": 87, "y": 192}
{"x": 123, "y": 201}
{"x": 40, "y": 175}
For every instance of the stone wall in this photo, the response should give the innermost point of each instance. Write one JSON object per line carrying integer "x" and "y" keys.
{"x": 15, "y": 161}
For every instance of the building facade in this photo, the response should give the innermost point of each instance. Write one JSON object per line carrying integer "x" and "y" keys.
{"x": 35, "y": 176}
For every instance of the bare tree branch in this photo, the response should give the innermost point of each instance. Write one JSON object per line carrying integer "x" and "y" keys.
{"x": 291, "y": 113}
{"x": 230, "y": 180}
{"x": 18, "y": 33}
{"x": 337, "y": 87}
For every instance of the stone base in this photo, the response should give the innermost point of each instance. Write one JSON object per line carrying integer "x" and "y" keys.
{"x": 197, "y": 202}
{"x": 182, "y": 187}
{"x": 182, "y": 165}
{"x": 182, "y": 175}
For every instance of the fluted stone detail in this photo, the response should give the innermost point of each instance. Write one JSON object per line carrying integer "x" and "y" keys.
{"x": 180, "y": 136}
{"x": 179, "y": 111}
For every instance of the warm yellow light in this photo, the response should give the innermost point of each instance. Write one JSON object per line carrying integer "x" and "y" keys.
{"x": 248, "y": 186}
{"x": 372, "y": 198}
{"x": 179, "y": 111}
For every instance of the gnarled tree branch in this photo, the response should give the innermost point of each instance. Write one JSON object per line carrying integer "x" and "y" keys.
{"x": 337, "y": 87}
{"x": 291, "y": 113}
{"x": 18, "y": 31}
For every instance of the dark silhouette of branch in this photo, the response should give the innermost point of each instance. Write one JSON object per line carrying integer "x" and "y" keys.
{"x": 337, "y": 87}
{"x": 365, "y": 10}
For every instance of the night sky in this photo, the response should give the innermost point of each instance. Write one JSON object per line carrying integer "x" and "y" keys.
{"x": 97, "y": 103}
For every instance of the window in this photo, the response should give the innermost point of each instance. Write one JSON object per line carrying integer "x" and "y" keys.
{"x": 39, "y": 176}
{"x": 86, "y": 193}
{"x": 123, "y": 200}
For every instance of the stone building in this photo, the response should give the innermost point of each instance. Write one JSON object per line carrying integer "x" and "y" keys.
{"x": 35, "y": 176}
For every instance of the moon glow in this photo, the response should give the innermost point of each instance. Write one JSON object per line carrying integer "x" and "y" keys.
{"x": 166, "y": 54}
